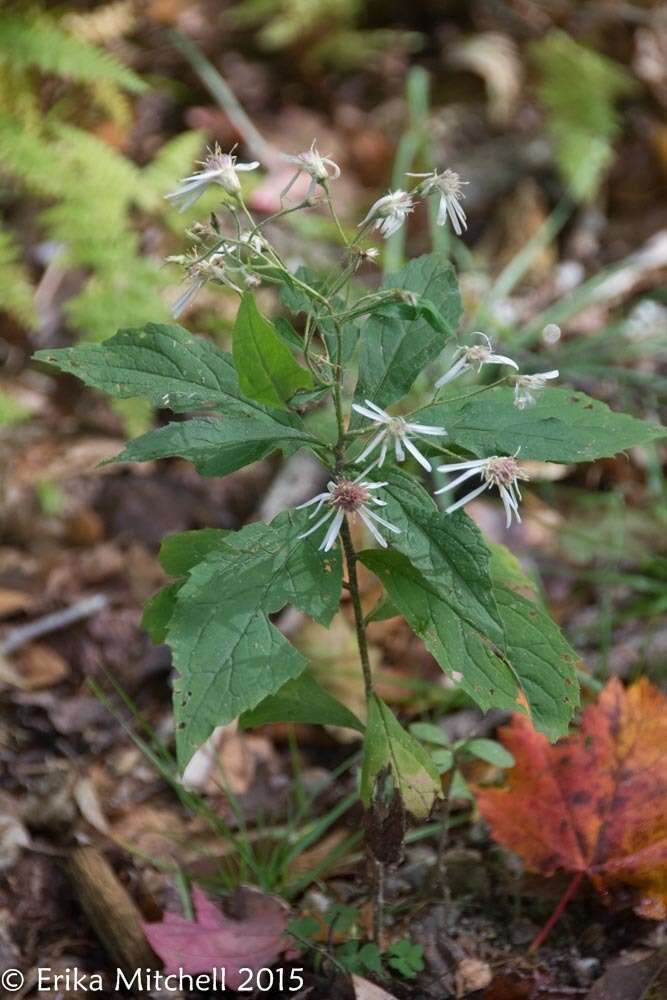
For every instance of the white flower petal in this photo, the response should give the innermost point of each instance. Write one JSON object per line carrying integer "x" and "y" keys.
{"x": 381, "y": 520}
{"x": 457, "y": 368}
{"x": 332, "y": 534}
{"x": 472, "y": 463}
{"x": 318, "y": 524}
{"x": 467, "y": 498}
{"x": 457, "y": 482}
{"x": 424, "y": 429}
{"x": 500, "y": 359}
{"x": 315, "y": 499}
{"x": 372, "y": 445}
{"x": 363, "y": 514}
{"x": 415, "y": 452}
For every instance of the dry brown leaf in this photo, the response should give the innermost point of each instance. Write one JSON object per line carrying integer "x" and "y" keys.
{"x": 472, "y": 975}
{"x": 12, "y": 601}
{"x": 365, "y": 990}
{"x": 38, "y": 666}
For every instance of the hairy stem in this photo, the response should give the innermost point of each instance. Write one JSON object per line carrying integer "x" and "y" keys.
{"x": 360, "y": 625}
{"x": 359, "y": 622}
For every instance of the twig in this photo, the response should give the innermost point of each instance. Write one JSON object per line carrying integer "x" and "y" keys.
{"x": 51, "y": 623}
{"x": 569, "y": 894}
{"x": 112, "y": 913}
{"x": 226, "y": 98}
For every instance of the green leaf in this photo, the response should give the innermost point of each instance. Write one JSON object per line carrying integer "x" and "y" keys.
{"x": 388, "y": 746}
{"x": 427, "y": 732}
{"x": 406, "y": 957}
{"x": 448, "y": 551}
{"x": 488, "y": 750}
{"x": 459, "y": 646}
{"x": 528, "y": 666}
{"x": 266, "y": 368}
{"x": 394, "y": 350}
{"x": 443, "y": 760}
{"x": 180, "y": 552}
{"x": 158, "y": 612}
{"x": 228, "y": 654}
{"x": 216, "y": 447}
{"x": 542, "y": 659}
{"x": 301, "y": 700}
{"x": 562, "y": 426}
{"x": 165, "y": 364}
{"x": 438, "y": 573}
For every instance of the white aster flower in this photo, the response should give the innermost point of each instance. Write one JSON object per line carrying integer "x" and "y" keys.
{"x": 389, "y": 427}
{"x": 348, "y": 497}
{"x": 389, "y": 212}
{"x": 449, "y": 186}
{"x": 218, "y": 168}
{"x": 526, "y": 385}
{"x": 501, "y": 471}
{"x": 478, "y": 354}
{"x": 198, "y": 273}
{"x": 319, "y": 168}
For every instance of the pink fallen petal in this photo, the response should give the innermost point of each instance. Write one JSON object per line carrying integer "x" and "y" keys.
{"x": 254, "y": 940}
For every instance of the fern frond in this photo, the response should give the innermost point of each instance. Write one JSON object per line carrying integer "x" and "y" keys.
{"x": 119, "y": 297}
{"x": 106, "y": 24}
{"x": 38, "y": 42}
{"x": 173, "y": 160}
{"x": 580, "y": 88}
{"x": 16, "y": 291}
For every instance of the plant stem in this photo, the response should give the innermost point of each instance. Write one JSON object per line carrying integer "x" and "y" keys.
{"x": 569, "y": 894}
{"x": 443, "y": 842}
{"x": 359, "y": 622}
{"x": 360, "y": 626}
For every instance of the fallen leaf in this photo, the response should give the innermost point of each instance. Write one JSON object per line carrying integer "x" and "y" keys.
{"x": 39, "y": 666}
{"x": 254, "y": 940}
{"x": 594, "y": 802}
{"x": 12, "y": 601}
{"x": 365, "y": 990}
{"x": 633, "y": 981}
{"x": 13, "y": 835}
{"x": 472, "y": 975}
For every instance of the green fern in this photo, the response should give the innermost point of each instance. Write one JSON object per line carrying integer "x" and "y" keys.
{"x": 580, "y": 89}
{"x": 16, "y": 291}
{"x": 87, "y": 192}
{"x": 35, "y": 41}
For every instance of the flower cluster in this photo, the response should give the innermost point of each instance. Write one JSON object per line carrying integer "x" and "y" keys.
{"x": 348, "y": 497}
{"x": 501, "y": 471}
{"x": 484, "y": 354}
{"x": 242, "y": 261}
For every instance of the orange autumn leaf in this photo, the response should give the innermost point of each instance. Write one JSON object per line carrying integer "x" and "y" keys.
{"x": 594, "y": 803}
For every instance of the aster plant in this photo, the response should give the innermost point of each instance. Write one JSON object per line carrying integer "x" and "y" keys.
{"x": 355, "y": 354}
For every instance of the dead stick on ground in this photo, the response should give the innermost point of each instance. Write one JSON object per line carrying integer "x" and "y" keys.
{"x": 51, "y": 623}
{"x": 110, "y": 910}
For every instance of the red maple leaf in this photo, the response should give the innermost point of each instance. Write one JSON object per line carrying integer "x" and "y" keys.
{"x": 595, "y": 803}
{"x": 213, "y": 940}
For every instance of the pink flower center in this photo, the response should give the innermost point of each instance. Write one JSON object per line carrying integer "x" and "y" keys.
{"x": 349, "y": 496}
{"x": 503, "y": 471}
